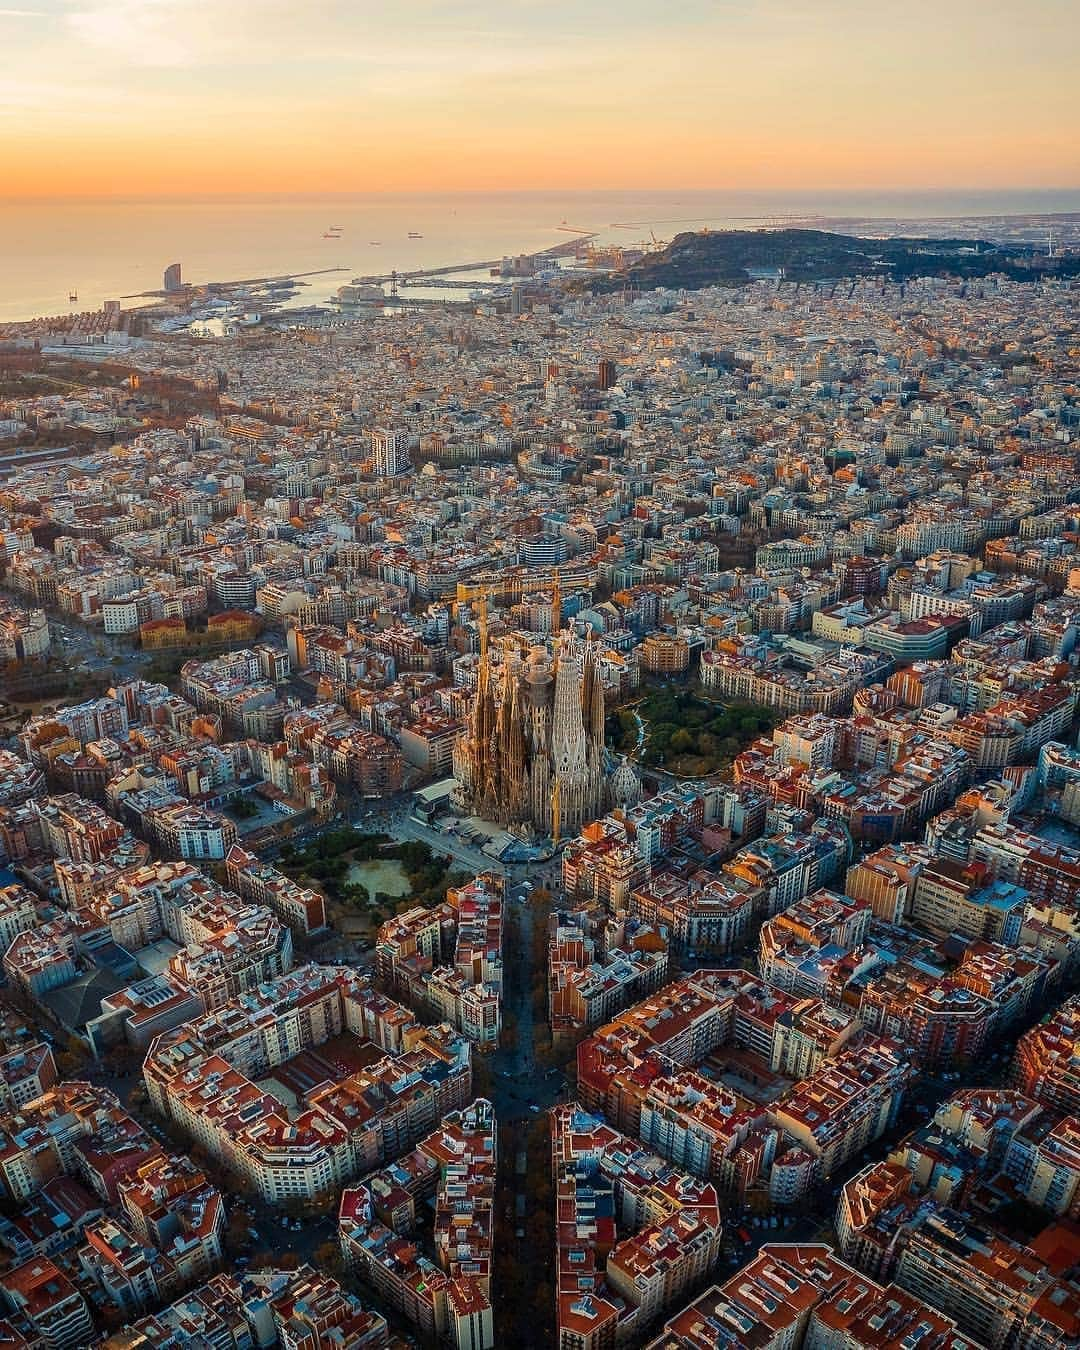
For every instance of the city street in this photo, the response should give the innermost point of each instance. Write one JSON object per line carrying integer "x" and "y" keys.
{"x": 523, "y": 1088}
{"x": 520, "y": 1082}
{"x": 78, "y": 645}
{"x": 406, "y": 826}
{"x": 396, "y": 819}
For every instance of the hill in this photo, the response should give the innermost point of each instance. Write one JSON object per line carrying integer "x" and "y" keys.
{"x": 736, "y": 257}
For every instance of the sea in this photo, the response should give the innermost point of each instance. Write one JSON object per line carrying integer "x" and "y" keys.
{"x": 113, "y": 249}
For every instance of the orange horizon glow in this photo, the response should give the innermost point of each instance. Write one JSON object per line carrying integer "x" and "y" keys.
{"x": 188, "y": 98}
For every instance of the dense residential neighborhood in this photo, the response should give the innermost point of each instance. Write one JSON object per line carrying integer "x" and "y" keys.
{"x": 554, "y": 821}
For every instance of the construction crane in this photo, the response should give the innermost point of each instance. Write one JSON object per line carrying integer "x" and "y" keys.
{"x": 508, "y": 591}
{"x": 467, "y": 594}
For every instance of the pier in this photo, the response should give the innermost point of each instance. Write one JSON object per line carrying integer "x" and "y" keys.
{"x": 224, "y": 285}
{"x": 450, "y": 283}
{"x": 427, "y": 275}
{"x": 567, "y": 249}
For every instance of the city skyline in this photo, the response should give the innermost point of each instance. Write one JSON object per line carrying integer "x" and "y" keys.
{"x": 167, "y": 97}
{"x": 539, "y": 675}
{"x": 543, "y": 813}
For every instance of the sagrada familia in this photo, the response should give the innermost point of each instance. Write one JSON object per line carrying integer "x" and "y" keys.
{"x": 533, "y": 756}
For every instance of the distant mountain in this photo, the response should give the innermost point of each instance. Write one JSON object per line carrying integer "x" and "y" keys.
{"x": 736, "y": 257}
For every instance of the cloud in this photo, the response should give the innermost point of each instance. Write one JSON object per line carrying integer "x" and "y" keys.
{"x": 412, "y": 49}
{"x": 508, "y": 85}
{"x": 145, "y": 32}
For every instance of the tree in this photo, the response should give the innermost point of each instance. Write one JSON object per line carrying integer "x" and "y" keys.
{"x": 237, "y": 1233}
{"x": 543, "y": 1300}
{"x": 281, "y": 1260}
{"x": 682, "y": 742}
{"x": 242, "y": 808}
{"x": 327, "y": 1257}
{"x": 71, "y": 1059}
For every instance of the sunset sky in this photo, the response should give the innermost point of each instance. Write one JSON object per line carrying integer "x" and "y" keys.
{"x": 148, "y": 97}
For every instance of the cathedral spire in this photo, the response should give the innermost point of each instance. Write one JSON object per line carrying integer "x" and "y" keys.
{"x": 482, "y": 608}
{"x": 533, "y": 754}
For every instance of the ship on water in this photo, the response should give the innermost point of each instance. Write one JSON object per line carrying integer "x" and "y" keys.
{"x": 414, "y": 235}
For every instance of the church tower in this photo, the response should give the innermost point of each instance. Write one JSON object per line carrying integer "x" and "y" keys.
{"x": 536, "y": 736}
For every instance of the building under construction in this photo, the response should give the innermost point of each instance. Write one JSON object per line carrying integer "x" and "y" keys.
{"x": 533, "y": 756}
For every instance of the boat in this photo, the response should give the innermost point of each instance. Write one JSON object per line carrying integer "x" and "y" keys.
{"x": 413, "y": 235}
{"x": 329, "y": 234}
{"x": 375, "y": 243}
{"x": 72, "y": 297}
